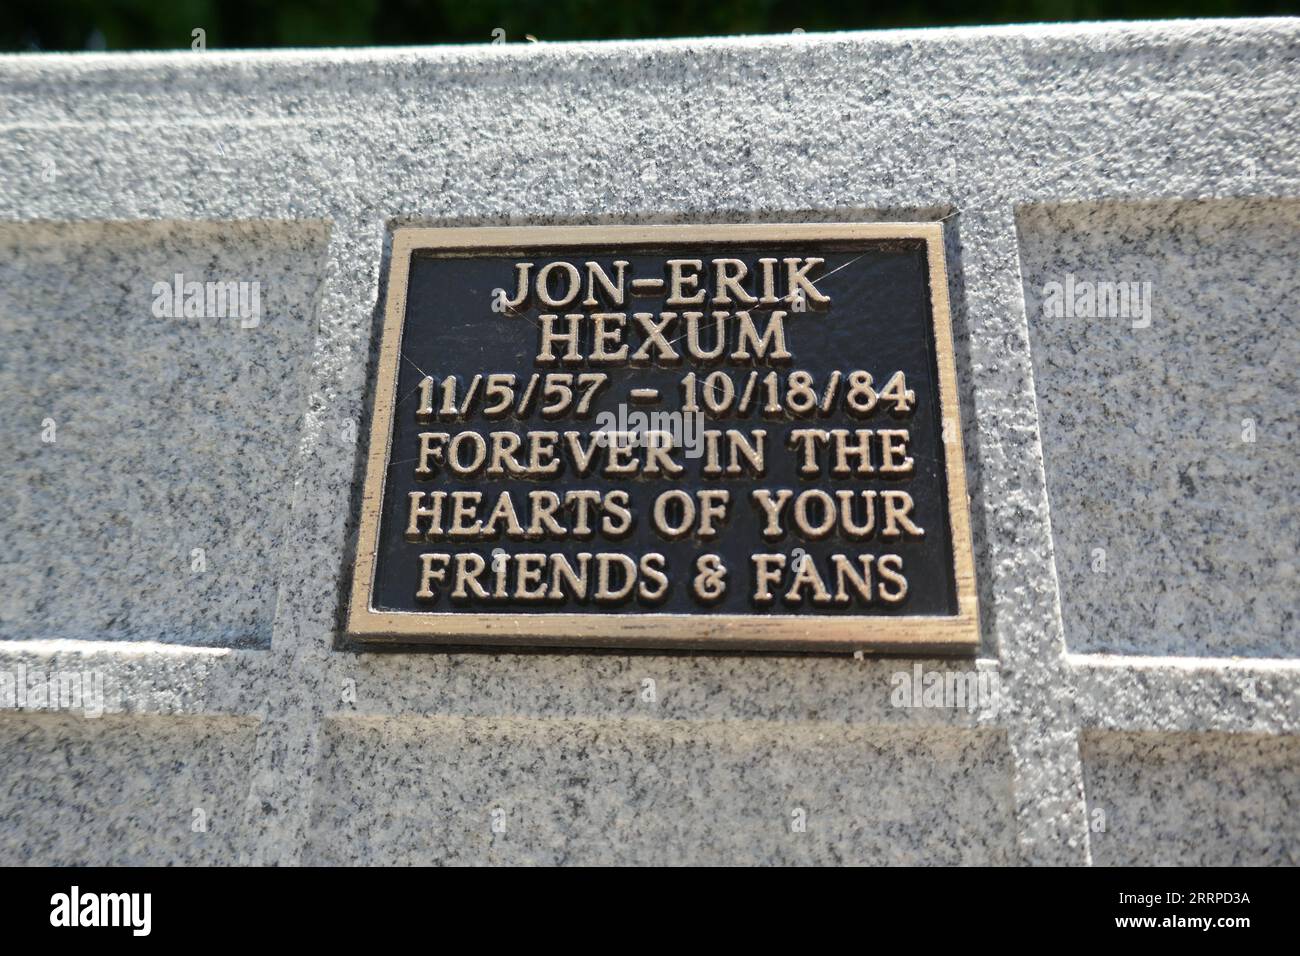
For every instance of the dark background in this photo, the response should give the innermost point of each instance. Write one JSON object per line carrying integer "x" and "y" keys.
{"x": 879, "y": 320}
{"x": 30, "y": 25}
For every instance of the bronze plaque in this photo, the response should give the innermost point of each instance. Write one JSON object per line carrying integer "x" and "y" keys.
{"x": 667, "y": 436}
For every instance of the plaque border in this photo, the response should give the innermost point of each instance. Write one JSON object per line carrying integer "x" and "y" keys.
{"x": 704, "y": 630}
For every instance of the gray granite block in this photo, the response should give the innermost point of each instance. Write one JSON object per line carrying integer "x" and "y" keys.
{"x": 1029, "y": 143}
{"x": 1171, "y": 448}
{"x": 1193, "y": 800}
{"x": 648, "y": 791}
{"x": 152, "y": 451}
{"x": 122, "y": 791}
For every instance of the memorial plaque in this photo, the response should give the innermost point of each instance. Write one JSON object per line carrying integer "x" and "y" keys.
{"x": 667, "y": 436}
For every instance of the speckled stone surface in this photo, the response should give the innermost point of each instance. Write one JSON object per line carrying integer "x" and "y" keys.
{"x": 642, "y": 790}
{"x": 401, "y": 757}
{"x": 152, "y": 452}
{"x": 1178, "y": 529}
{"x": 122, "y": 791}
{"x": 1184, "y": 799}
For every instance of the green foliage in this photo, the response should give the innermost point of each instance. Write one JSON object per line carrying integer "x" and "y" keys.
{"x": 167, "y": 24}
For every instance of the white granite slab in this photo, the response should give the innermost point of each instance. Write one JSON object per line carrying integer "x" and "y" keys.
{"x": 998, "y": 133}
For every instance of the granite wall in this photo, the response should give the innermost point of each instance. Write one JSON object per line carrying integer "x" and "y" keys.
{"x": 181, "y": 494}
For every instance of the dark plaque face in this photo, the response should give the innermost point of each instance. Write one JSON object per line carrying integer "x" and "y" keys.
{"x": 711, "y": 437}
